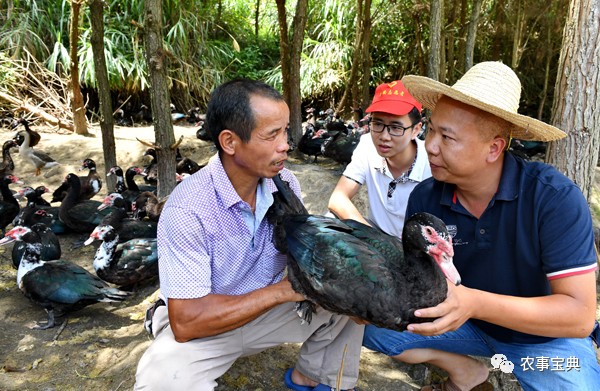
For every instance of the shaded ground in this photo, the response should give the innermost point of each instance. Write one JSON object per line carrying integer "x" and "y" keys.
{"x": 100, "y": 346}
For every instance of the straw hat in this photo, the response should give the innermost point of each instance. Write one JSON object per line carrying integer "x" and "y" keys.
{"x": 492, "y": 87}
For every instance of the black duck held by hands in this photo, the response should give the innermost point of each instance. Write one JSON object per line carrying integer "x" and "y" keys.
{"x": 357, "y": 270}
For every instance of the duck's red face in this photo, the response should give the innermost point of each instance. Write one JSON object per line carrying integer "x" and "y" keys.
{"x": 42, "y": 213}
{"x": 441, "y": 250}
{"x": 97, "y": 234}
{"x": 109, "y": 200}
{"x": 25, "y": 191}
{"x": 14, "y": 234}
{"x": 14, "y": 179}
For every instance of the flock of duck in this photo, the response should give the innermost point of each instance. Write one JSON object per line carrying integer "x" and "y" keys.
{"x": 328, "y": 136}
{"x": 341, "y": 265}
{"x": 124, "y": 223}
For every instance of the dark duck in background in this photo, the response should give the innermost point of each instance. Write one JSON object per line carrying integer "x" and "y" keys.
{"x": 58, "y": 286}
{"x": 80, "y": 216}
{"x": 124, "y": 264}
{"x": 9, "y": 206}
{"x": 150, "y": 171}
{"x": 49, "y": 243}
{"x": 128, "y": 228}
{"x": 7, "y": 165}
{"x": 118, "y": 173}
{"x": 90, "y": 184}
{"x": 34, "y": 137}
{"x": 357, "y": 270}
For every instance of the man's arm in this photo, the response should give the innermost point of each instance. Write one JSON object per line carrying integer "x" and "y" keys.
{"x": 340, "y": 202}
{"x": 215, "y": 314}
{"x": 569, "y": 312}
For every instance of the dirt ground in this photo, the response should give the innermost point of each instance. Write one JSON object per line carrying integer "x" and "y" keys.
{"x": 100, "y": 345}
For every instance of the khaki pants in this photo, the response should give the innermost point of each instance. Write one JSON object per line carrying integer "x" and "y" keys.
{"x": 194, "y": 365}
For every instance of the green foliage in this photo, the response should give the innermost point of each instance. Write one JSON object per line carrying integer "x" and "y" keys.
{"x": 210, "y": 41}
{"x": 7, "y": 75}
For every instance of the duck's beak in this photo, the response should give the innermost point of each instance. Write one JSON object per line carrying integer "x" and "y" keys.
{"x": 449, "y": 269}
{"x": 6, "y": 240}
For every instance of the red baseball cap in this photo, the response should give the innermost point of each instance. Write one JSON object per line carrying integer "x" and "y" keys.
{"x": 393, "y": 98}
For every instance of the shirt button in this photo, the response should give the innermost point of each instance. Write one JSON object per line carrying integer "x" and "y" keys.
{"x": 482, "y": 231}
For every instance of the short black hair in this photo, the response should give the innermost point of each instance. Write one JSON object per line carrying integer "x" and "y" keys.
{"x": 415, "y": 116}
{"x": 229, "y": 108}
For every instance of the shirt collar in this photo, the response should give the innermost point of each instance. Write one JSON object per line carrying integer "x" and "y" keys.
{"x": 230, "y": 197}
{"x": 508, "y": 189}
{"x": 382, "y": 167}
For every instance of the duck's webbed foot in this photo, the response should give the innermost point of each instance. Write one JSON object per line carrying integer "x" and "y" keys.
{"x": 305, "y": 309}
{"x": 50, "y": 324}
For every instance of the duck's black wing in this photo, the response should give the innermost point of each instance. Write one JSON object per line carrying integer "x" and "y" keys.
{"x": 60, "y": 286}
{"x": 344, "y": 273}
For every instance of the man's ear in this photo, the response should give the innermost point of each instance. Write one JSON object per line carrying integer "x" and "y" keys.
{"x": 228, "y": 140}
{"x": 497, "y": 147}
{"x": 416, "y": 130}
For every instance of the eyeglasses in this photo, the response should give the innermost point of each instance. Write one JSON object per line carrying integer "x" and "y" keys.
{"x": 393, "y": 130}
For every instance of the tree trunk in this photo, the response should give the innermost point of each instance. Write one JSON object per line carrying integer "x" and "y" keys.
{"x": 77, "y": 105}
{"x": 156, "y": 60}
{"x": 471, "y": 34}
{"x": 106, "y": 117}
{"x": 284, "y": 49}
{"x": 435, "y": 33}
{"x": 576, "y": 108}
{"x": 364, "y": 94}
{"x": 442, "y": 40}
{"x": 498, "y": 39}
{"x": 544, "y": 92}
{"x": 256, "y": 18}
{"x": 450, "y": 46}
{"x": 290, "y": 54}
{"x": 519, "y": 31}
{"x": 295, "y": 95}
{"x": 361, "y": 42}
{"x": 419, "y": 43}
{"x": 462, "y": 42}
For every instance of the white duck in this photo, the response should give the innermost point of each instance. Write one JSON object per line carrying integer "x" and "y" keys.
{"x": 38, "y": 159}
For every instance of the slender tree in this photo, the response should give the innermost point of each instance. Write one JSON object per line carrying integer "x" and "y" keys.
{"x": 290, "y": 53}
{"x": 256, "y": 18}
{"x": 156, "y": 60}
{"x": 77, "y": 105}
{"x": 435, "y": 36}
{"x": 106, "y": 117}
{"x": 576, "y": 108}
{"x": 354, "y": 91}
{"x": 451, "y": 36}
{"x": 471, "y": 34}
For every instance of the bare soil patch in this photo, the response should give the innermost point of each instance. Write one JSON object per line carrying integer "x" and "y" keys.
{"x": 100, "y": 346}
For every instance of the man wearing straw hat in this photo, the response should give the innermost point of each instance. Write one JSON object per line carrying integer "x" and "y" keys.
{"x": 523, "y": 243}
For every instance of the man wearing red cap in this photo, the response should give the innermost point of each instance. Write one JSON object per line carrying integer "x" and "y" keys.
{"x": 391, "y": 160}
